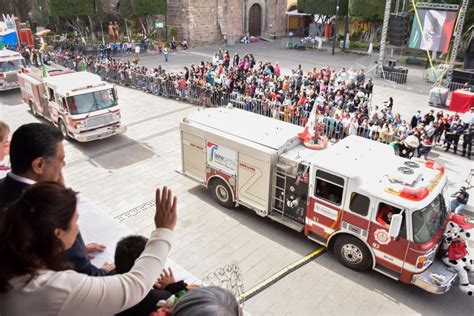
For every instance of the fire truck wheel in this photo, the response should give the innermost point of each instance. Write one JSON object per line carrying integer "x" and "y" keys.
{"x": 352, "y": 253}
{"x": 32, "y": 108}
{"x": 63, "y": 129}
{"x": 221, "y": 193}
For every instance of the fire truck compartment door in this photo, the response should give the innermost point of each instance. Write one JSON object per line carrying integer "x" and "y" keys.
{"x": 194, "y": 156}
{"x": 253, "y": 181}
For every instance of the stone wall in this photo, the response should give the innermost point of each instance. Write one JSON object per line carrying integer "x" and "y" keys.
{"x": 207, "y": 21}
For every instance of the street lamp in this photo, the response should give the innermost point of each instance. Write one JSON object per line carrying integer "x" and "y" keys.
{"x": 335, "y": 29}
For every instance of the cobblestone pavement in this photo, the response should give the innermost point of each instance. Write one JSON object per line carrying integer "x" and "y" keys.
{"x": 119, "y": 175}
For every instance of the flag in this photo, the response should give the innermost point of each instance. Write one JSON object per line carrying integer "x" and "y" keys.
{"x": 44, "y": 72}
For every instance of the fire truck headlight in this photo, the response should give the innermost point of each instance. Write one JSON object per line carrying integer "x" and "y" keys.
{"x": 79, "y": 124}
{"x": 426, "y": 260}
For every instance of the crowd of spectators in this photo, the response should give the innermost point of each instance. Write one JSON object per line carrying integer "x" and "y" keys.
{"x": 45, "y": 266}
{"x": 342, "y": 97}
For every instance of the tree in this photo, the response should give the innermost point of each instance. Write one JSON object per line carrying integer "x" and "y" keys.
{"x": 19, "y": 8}
{"x": 324, "y": 9}
{"x": 73, "y": 12}
{"x": 144, "y": 10}
{"x": 39, "y": 12}
{"x": 368, "y": 10}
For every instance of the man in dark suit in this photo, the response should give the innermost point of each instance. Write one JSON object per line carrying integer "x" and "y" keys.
{"x": 37, "y": 155}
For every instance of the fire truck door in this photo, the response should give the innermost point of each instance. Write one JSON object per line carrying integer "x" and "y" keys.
{"x": 389, "y": 252}
{"x": 326, "y": 195}
{"x": 194, "y": 156}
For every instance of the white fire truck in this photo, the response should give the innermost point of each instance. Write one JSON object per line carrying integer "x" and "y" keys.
{"x": 11, "y": 64}
{"x": 374, "y": 209}
{"x": 80, "y": 104}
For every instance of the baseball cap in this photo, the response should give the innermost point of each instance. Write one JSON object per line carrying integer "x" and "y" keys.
{"x": 461, "y": 221}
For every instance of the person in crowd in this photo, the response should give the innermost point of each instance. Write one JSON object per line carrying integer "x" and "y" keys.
{"x": 467, "y": 136}
{"x": 37, "y": 155}
{"x": 127, "y": 251}
{"x": 207, "y": 301}
{"x": 453, "y": 135}
{"x": 459, "y": 201}
{"x": 415, "y": 119}
{"x": 34, "y": 278}
{"x": 4, "y": 148}
{"x": 166, "y": 53}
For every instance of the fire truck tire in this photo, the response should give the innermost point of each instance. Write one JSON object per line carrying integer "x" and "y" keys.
{"x": 352, "y": 253}
{"x": 221, "y": 193}
{"x": 63, "y": 129}
{"x": 32, "y": 108}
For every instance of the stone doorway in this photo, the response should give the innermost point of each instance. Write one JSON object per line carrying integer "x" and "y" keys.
{"x": 255, "y": 20}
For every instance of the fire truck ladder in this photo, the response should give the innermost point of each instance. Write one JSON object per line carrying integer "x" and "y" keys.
{"x": 279, "y": 198}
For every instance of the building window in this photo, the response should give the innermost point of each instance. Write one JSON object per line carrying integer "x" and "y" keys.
{"x": 329, "y": 187}
{"x": 359, "y": 204}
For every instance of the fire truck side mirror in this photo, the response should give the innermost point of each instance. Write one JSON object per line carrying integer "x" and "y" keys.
{"x": 395, "y": 225}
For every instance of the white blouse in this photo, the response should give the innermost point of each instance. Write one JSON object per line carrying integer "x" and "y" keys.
{"x": 71, "y": 293}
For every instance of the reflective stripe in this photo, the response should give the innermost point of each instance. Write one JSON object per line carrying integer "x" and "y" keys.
{"x": 395, "y": 261}
{"x": 327, "y": 229}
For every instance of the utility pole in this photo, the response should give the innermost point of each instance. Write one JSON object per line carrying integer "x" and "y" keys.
{"x": 457, "y": 39}
{"x": 386, "y": 18}
{"x": 346, "y": 30}
{"x": 334, "y": 38}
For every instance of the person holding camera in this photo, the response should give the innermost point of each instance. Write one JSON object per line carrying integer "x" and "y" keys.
{"x": 458, "y": 204}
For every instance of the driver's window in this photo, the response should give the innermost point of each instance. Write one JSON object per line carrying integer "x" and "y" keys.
{"x": 51, "y": 94}
{"x": 384, "y": 217}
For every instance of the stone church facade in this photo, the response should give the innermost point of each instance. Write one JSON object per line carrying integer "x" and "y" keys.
{"x": 208, "y": 21}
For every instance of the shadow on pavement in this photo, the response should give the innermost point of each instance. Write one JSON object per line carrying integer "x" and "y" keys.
{"x": 10, "y": 97}
{"x": 113, "y": 153}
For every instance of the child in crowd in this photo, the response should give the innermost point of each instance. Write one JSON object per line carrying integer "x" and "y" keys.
{"x": 4, "y": 148}
{"x": 127, "y": 251}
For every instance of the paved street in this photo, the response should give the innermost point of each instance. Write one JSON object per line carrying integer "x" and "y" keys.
{"x": 119, "y": 175}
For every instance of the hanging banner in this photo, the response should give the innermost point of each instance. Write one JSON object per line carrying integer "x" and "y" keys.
{"x": 436, "y": 30}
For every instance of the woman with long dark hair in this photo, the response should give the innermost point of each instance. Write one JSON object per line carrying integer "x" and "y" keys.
{"x": 37, "y": 228}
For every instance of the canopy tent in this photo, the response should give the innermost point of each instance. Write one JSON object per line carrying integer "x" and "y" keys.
{"x": 296, "y": 13}
{"x": 294, "y": 20}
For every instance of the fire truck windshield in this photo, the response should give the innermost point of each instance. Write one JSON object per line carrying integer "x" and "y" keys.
{"x": 92, "y": 101}
{"x": 428, "y": 220}
{"x": 10, "y": 65}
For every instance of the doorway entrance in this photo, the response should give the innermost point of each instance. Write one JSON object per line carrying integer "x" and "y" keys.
{"x": 255, "y": 20}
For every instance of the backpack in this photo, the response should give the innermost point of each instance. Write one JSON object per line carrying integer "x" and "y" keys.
{"x": 457, "y": 250}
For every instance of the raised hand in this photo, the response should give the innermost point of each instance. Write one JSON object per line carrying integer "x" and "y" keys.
{"x": 165, "y": 215}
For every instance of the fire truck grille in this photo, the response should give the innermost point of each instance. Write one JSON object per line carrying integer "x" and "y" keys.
{"x": 100, "y": 120}
{"x": 10, "y": 78}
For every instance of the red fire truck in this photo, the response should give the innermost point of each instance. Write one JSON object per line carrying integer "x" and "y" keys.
{"x": 11, "y": 64}
{"x": 374, "y": 209}
{"x": 80, "y": 104}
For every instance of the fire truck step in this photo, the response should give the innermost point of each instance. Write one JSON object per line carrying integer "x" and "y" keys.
{"x": 287, "y": 222}
{"x": 388, "y": 272}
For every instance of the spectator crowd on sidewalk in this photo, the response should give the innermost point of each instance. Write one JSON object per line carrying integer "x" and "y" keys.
{"x": 342, "y": 97}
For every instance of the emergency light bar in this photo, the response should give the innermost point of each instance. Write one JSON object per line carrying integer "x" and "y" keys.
{"x": 88, "y": 87}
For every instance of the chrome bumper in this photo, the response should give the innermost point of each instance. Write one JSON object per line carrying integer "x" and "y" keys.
{"x": 426, "y": 282}
{"x": 100, "y": 133}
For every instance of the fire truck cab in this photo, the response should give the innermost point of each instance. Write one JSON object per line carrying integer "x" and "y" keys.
{"x": 11, "y": 64}
{"x": 80, "y": 104}
{"x": 372, "y": 208}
